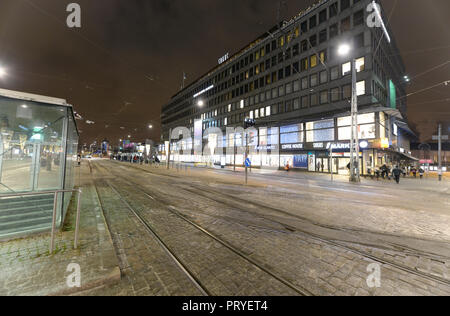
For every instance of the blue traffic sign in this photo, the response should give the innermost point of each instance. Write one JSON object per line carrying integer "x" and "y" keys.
{"x": 248, "y": 163}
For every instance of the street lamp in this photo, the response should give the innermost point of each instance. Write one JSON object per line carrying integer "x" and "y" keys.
{"x": 2, "y": 72}
{"x": 344, "y": 50}
{"x": 200, "y": 103}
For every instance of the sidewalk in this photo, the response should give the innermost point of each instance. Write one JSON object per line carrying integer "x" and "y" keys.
{"x": 256, "y": 176}
{"x": 27, "y": 269}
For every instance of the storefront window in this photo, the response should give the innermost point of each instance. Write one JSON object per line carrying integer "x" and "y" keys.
{"x": 320, "y": 131}
{"x": 366, "y": 127}
{"x": 292, "y": 134}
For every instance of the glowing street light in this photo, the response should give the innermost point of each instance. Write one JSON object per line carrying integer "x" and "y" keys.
{"x": 2, "y": 72}
{"x": 200, "y": 103}
{"x": 344, "y": 50}
{"x": 150, "y": 126}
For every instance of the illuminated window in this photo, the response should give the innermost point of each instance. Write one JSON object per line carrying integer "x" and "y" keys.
{"x": 360, "y": 64}
{"x": 297, "y": 31}
{"x": 263, "y": 52}
{"x": 268, "y": 111}
{"x": 257, "y": 56}
{"x": 361, "y": 88}
{"x": 256, "y": 114}
{"x": 281, "y": 41}
{"x": 225, "y": 122}
{"x": 323, "y": 56}
{"x": 262, "y": 112}
{"x": 242, "y": 104}
{"x": 257, "y": 69}
{"x": 346, "y": 68}
{"x": 229, "y": 107}
{"x": 251, "y": 114}
{"x": 304, "y": 64}
{"x": 313, "y": 61}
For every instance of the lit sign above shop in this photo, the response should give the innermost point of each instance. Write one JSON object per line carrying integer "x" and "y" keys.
{"x": 338, "y": 146}
{"x": 318, "y": 145}
{"x": 224, "y": 58}
{"x": 292, "y": 146}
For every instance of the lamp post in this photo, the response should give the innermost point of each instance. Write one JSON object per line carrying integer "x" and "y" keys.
{"x": 355, "y": 175}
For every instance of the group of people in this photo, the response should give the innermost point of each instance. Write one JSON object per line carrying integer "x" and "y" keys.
{"x": 137, "y": 159}
{"x": 397, "y": 172}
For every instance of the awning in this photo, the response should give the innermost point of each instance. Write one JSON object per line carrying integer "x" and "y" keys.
{"x": 408, "y": 156}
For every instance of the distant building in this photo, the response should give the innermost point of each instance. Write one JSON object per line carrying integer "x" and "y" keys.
{"x": 298, "y": 89}
{"x": 428, "y": 154}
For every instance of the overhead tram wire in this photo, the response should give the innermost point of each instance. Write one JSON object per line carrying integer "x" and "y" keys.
{"x": 96, "y": 45}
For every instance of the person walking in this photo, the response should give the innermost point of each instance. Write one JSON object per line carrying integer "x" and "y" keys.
{"x": 421, "y": 172}
{"x": 397, "y": 172}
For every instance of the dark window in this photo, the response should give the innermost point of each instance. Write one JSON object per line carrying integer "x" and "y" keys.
{"x": 267, "y": 48}
{"x": 280, "y": 74}
{"x": 287, "y": 71}
{"x": 322, "y": 16}
{"x": 274, "y": 61}
{"x": 333, "y": 9}
{"x": 295, "y": 50}
{"x": 345, "y": 25}
{"x": 295, "y": 68}
{"x": 358, "y": 18}
{"x": 334, "y": 30}
{"x": 359, "y": 40}
{"x": 335, "y": 95}
{"x": 312, "y": 22}
{"x": 314, "y": 99}
{"x": 304, "y": 45}
{"x": 345, "y": 4}
{"x": 274, "y": 45}
{"x": 304, "y": 27}
{"x": 323, "y": 36}
{"x": 313, "y": 40}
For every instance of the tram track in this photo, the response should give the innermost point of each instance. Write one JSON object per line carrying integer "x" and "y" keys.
{"x": 230, "y": 201}
{"x": 295, "y": 288}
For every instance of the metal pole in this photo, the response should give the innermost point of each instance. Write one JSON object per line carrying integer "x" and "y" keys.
{"x": 168, "y": 149}
{"x": 55, "y": 205}
{"x": 77, "y": 225}
{"x": 354, "y": 146}
{"x": 440, "y": 152}
{"x": 234, "y": 152}
{"x": 331, "y": 163}
{"x": 246, "y": 156}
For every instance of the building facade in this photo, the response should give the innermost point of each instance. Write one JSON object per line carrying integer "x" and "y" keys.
{"x": 296, "y": 86}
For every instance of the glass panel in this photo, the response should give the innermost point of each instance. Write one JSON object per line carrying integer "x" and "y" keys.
{"x": 31, "y": 135}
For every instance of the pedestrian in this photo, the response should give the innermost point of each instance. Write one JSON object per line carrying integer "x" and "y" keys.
{"x": 414, "y": 171}
{"x": 318, "y": 166}
{"x": 422, "y": 173}
{"x": 397, "y": 172}
{"x": 79, "y": 160}
{"x": 287, "y": 168}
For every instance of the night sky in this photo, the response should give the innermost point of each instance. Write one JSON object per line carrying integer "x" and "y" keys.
{"x": 128, "y": 58}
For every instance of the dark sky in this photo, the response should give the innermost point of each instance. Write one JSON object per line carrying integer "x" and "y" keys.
{"x": 128, "y": 58}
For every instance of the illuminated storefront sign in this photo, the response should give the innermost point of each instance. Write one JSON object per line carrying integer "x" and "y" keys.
{"x": 292, "y": 146}
{"x": 224, "y": 58}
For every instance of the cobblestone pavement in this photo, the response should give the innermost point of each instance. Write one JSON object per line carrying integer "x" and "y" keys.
{"x": 413, "y": 261}
{"x": 219, "y": 270}
{"x": 26, "y": 268}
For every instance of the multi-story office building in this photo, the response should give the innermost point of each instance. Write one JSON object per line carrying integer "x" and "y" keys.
{"x": 296, "y": 86}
